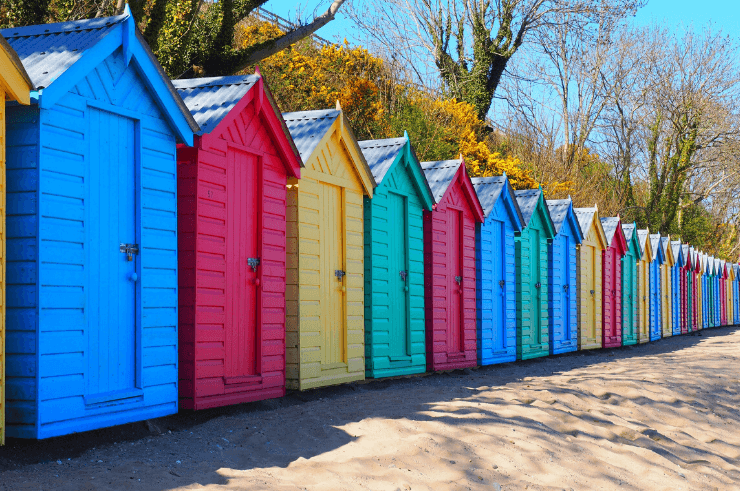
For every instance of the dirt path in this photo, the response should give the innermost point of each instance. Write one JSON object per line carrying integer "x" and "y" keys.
{"x": 658, "y": 416}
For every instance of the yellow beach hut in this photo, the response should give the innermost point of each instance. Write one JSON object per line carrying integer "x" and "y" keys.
{"x": 325, "y": 334}
{"x": 589, "y": 274}
{"x": 643, "y": 286}
{"x": 666, "y": 286}
{"x": 14, "y": 86}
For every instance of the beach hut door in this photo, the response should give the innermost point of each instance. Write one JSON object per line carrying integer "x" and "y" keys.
{"x": 398, "y": 234}
{"x": 243, "y": 268}
{"x": 111, "y": 261}
{"x": 455, "y": 281}
{"x": 498, "y": 240}
{"x": 565, "y": 257}
{"x": 536, "y": 282}
{"x": 333, "y": 276}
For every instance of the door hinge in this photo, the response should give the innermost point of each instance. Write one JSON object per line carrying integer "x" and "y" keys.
{"x": 339, "y": 274}
{"x": 253, "y": 262}
{"x": 129, "y": 250}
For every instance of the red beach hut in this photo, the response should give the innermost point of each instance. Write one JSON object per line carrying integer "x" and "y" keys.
{"x": 449, "y": 266}
{"x": 612, "y": 282}
{"x": 231, "y": 224}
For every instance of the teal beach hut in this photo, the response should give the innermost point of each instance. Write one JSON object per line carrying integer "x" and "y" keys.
{"x": 394, "y": 259}
{"x": 532, "y": 323}
{"x": 562, "y": 277}
{"x": 496, "y": 269}
{"x": 630, "y": 321}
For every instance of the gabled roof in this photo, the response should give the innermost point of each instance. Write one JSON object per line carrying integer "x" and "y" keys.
{"x": 382, "y": 155}
{"x": 665, "y": 244}
{"x": 490, "y": 190}
{"x": 630, "y": 235}
{"x": 588, "y": 217}
{"x": 657, "y": 248}
{"x": 677, "y": 248}
{"x": 212, "y": 100}
{"x": 14, "y": 80}
{"x": 528, "y": 201}
{"x": 561, "y": 212}
{"x": 58, "y": 56}
{"x": 440, "y": 174}
{"x": 309, "y": 128}
{"x": 647, "y": 250}
{"x": 610, "y": 224}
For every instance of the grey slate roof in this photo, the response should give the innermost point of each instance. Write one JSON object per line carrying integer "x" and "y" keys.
{"x": 558, "y": 209}
{"x": 687, "y": 256}
{"x": 308, "y": 127}
{"x": 629, "y": 229}
{"x": 665, "y": 243}
{"x": 610, "y": 225}
{"x": 677, "y": 250}
{"x": 439, "y": 175}
{"x": 210, "y": 99}
{"x": 380, "y": 154}
{"x": 642, "y": 235}
{"x": 655, "y": 243}
{"x": 585, "y": 216}
{"x": 489, "y": 190}
{"x": 47, "y": 50}
{"x": 527, "y": 201}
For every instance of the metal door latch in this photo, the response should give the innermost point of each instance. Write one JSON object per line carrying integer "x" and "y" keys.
{"x": 339, "y": 274}
{"x": 458, "y": 280}
{"x": 501, "y": 283}
{"x": 592, "y": 292}
{"x": 403, "y": 275}
{"x": 253, "y": 262}
{"x": 129, "y": 250}
{"x": 537, "y": 285}
{"x": 565, "y": 287}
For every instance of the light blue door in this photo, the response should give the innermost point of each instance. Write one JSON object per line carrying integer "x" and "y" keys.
{"x": 398, "y": 276}
{"x": 565, "y": 289}
{"x": 110, "y": 224}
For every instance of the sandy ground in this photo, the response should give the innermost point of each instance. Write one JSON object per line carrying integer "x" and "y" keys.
{"x": 658, "y": 416}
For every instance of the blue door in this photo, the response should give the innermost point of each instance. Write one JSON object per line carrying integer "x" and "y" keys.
{"x": 111, "y": 260}
{"x": 498, "y": 259}
{"x": 565, "y": 293}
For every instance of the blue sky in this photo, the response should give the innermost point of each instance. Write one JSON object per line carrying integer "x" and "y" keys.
{"x": 724, "y": 14}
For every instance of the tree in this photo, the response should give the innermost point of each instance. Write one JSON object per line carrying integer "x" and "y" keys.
{"x": 470, "y": 42}
{"x": 190, "y": 37}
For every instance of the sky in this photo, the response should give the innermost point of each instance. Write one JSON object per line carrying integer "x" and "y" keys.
{"x": 724, "y": 14}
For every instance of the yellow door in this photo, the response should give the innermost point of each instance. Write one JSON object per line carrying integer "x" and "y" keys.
{"x": 331, "y": 257}
{"x": 644, "y": 302}
{"x": 589, "y": 336}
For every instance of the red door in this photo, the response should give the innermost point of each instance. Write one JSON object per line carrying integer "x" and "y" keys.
{"x": 242, "y": 268}
{"x": 454, "y": 282}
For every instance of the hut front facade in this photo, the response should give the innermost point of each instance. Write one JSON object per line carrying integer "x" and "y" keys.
{"x": 589, "y": 273}
{"x": 630, "y": 321}
{"x": 722, "y": 280}
{"x": 231, "y": 224}
{"x": 736, "y": 295}
{"x": 666, "y": 286}
{"x": 394, "y": 259}
{"x": 656, "y": 311}
{"x": 700, "y": 281}
{"x": 325, "y": 313}
{"x": 731, "y": 280}
{"x": 612, "y": 282}
{"x": 643, "y": 286}
{"x": 686, "y": 289}
{"x": 15, "y": 87}
{"x": 531, "y": 247}
{"x": 562, "y": 277}
{"x": 677, "y": 286}
{"x": 496, "y": 270}
{"x": 449, "y": 266}
{"x": 92, "y": 236}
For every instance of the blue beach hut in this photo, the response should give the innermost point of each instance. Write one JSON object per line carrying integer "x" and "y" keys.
{"x": 655, "y": 288}
{"x": 562, "y": 252}
{"x": 676, "y": 281}
{"x": 92, "y": 230}
{"x": 495, "y": 264}
{"x": 394, "y": 259}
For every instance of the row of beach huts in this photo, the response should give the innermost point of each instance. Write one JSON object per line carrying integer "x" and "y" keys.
{"x": 183, "y": 244}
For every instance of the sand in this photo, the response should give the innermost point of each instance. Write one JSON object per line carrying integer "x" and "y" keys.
{"x": 656, "y": 416}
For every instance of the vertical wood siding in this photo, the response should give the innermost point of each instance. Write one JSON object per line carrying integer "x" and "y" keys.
{"x": 314, "y": 253}
{"x": 53, "y": 314}
{"x": 643, "y": 298}
{"x": 232, "y": 206}
{"x": 612, "y": 288}
{"x": 630, "y": 324}
{"x": 2, "y": 267}
{"x": 496, "y": 304}
{"x": 676, "y": 306}
{"x": 666, "y": 307}
{"x": 450, "y": 311}
{"x": 655, "y": 296}
{"x": 562, "y": 306}
{"x": 589, "y": 290}
{"x": 394, "y": 310}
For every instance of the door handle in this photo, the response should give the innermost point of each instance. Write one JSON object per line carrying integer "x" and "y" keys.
{"x": 339, "y": 274}
{"x": 501, "y": 283}
{"x": 253, "y": 262}
{"x": 537, "y": 285}
{"x": 565, "y": 287}
{"x": 403, "y": 274}
{"x": 458, "y": 280}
